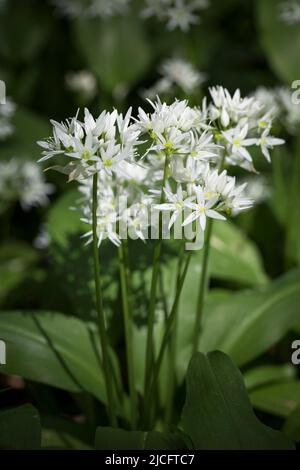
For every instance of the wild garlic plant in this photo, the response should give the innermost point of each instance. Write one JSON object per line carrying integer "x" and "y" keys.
{"x": 173, "y": 161}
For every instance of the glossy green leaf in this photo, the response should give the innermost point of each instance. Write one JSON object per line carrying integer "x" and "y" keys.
{"x": 267, "y": 374}
{"x": 249, "y": 322}
{"x": 62, "y": 221}
{"x": 54, "y": 349}
{"x": 217, "y": 413}
{"x": 280, "y": 41}
{"x": 20, "y": 428}
{"x": 118, "y": 439}
{"x": 279, "y": 399}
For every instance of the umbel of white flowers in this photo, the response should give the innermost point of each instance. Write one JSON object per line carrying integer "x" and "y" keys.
{"x": 176, "y": 73}
{"x": 23, "y": 181}
{"x": 180, "y": 169}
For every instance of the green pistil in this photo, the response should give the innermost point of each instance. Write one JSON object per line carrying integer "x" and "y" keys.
{"x": 169, "y": 147}
{"x": 107, "y": 163}
{"x": 86, "y": 154}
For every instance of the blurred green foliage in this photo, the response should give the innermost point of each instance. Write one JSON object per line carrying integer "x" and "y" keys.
{"x": 46, "y": 295}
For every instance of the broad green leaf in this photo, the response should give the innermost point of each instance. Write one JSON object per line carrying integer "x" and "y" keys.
{"x": 266, "y": 374}
{"x": 280, "y": 41}
{"x": 20, "y": 428}
{"x": 292, "y": 425}
{"x": 16, "y": 261}
{"x": 234, "y": 257}
{"x": 249, "y": 322}
{"x": 62, "y": 221}
{"x": 72, "y": 260}
{"x": 217, "y": 413}
{"x": 279, "y": 399}
{"x": 115, "y": 49}
{"x": 118, "y": 439}
{"x": 54, "y": 349}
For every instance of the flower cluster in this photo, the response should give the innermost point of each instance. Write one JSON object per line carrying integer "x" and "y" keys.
{"x": 92, "y": 8}
{"x": 6, "y": 113}
{"x": 177, "y": 13}
{"x": 280, "y": 102}
{"x": 23, "y": 181}
{"x": 176, "y": 73}
{"x": 171, "y": 160}
{"x": 290, "y": 11}
{"x": 93, "y": 145}
{"x": 83, "y": 83}
{"x": 241, "y": 123}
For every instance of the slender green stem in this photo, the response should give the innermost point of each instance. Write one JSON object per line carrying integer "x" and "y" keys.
{"x": 173, "y": 345}
{"x": 165, "y": 340}
{"x": 153, "y": 289}
{"x": 204, "y": 279}
{"x": 101, "y": 318}
{"x": 202, "y": 287}
{"x": 128, "y": 332}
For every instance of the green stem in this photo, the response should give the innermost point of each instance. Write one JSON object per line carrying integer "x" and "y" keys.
{"x": 165, "y": 340}
{"x": 172, "y": 356}
{"x": 152, "y": 303}
{"x": 128, "y": 332}
{"x": 99, "y": 305}
{"x": 204, "y": 280}
{"x": 202, "y": 287}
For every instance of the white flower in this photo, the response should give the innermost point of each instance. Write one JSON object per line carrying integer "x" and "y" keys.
{"x": 177, "y": 13}
{"x": 83, "y": 82}
{"x": 176, "y": 203}
{"x": 236, "y": 137}
{"x": 267, "y": 142}
{"x": 183, "y": 74}
{"x": 24, "y": 181}
{"x": 290, "y": 11}
{"x": 92, "y": 145}
{"x": 176, "y": 73}
{"x": 202, "y": 209}
{"x": 231, "y": 109}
